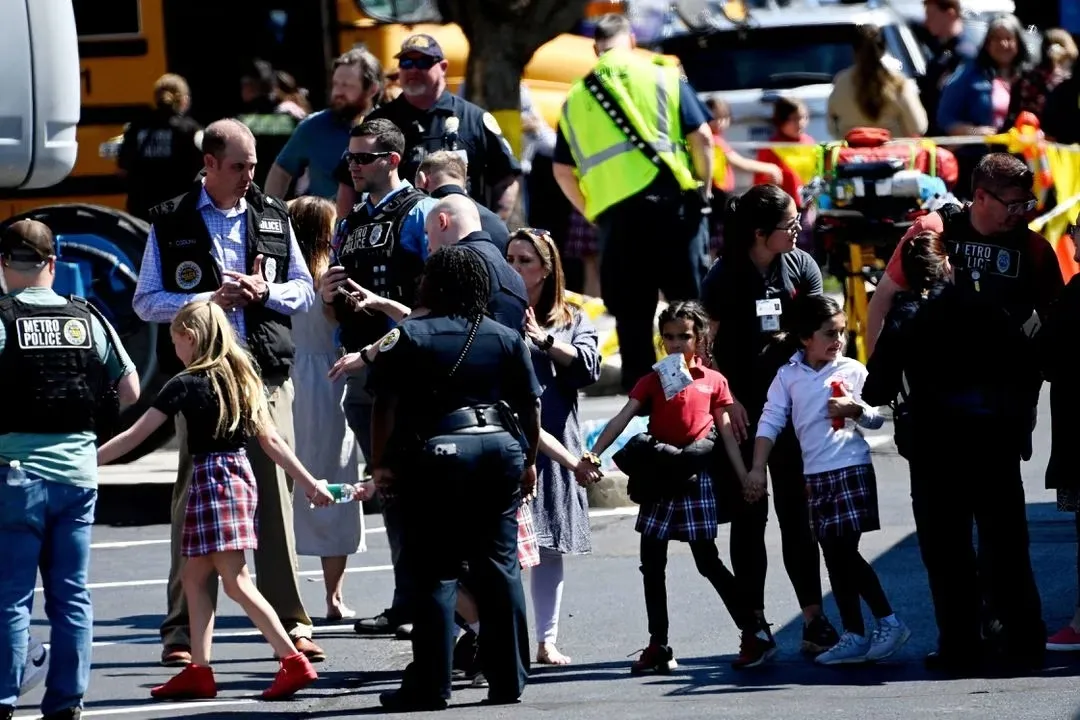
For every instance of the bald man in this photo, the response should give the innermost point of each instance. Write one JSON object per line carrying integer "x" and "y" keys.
{"x": 455, "y": 221}
{"x": 226, "y": 242}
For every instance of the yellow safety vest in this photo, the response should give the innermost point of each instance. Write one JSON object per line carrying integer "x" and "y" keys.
{"x": 609, "y": 168}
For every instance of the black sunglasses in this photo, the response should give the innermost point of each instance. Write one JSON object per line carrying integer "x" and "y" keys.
{"x": 421, "y": 63}
{"x": 538, "y": 232}
{"x": 363, "y": 158}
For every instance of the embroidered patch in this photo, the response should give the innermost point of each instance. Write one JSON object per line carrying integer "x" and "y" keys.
{"x": 53, "y": 333}
{"x": 270, "y": 269}
{"x": 492, "y": 124}
{"x": 390, "y": 340}
{"x": 273, "y": 227}
{"x": 188, "y": 275}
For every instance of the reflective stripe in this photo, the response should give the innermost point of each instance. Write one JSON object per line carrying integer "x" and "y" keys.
{"x": 662, "y": 126}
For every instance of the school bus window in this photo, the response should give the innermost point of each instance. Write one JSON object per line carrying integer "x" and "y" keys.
{"x": 400, "y": 11}
{"x": 95, "y": 19}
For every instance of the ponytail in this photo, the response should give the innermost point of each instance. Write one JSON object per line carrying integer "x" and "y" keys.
{"x": 761, "y": 208}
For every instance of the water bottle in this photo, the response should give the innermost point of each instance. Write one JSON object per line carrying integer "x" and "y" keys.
{"x": 342, "y": 492}
{"x": 837, "y": 391}
{"x": 16, "y": 475}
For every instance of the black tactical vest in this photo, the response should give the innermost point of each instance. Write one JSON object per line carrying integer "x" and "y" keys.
{"x": 371, "y": 252}
{"x": 1000, "y": 269}
{"x": 188, "y": 266}
{"x": 55, "y": 379}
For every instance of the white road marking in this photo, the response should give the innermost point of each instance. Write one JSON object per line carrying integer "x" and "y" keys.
{"x": 144, "y": 583}
{"x": 218, "y": 634}
{"x": 126, "y": 544}
{"x": 153, "y": 708}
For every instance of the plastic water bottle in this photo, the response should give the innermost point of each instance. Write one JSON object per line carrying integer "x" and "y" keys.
{"x": 342, "y": 492}
{"x": 16, "y": 475}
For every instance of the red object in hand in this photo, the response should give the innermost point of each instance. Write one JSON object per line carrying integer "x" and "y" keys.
{"x": 837, "y": 391}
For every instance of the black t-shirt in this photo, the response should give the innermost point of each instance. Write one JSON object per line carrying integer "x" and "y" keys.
{"x": 194, "y": 398}
{"x": 730, "y": 295}
{"x": 161, "y": 159}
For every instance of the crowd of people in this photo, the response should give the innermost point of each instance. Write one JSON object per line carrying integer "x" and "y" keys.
{"x": 388, "y": 311}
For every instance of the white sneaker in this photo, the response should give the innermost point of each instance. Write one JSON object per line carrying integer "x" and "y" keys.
{"x": 887, "y": 639}
{"x": 37, "y": 666}
{"x": 852, "y": 648}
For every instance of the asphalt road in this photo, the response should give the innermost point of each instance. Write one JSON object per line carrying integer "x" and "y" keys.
{"x": 603, "y": 623}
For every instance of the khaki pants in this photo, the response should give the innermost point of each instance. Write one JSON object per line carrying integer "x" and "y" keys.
{"x": 275, "y": 558}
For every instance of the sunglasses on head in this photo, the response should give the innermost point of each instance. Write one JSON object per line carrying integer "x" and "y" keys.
{"x": 417, "y": 63}
{"x": 538, "y": 232}
{"x": 363, "y": 158}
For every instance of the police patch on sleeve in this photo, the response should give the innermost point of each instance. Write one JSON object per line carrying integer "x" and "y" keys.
{"x": 270, "y": 269}
{"x": 492, "y": 124}
{"x": 53, "y": 333}
{"x": 188, "y": 275}
{"x": 390, "y": 340}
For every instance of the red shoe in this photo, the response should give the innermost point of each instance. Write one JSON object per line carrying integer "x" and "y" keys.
{"x": 195, "y": 682}
{"x": 1064, "y": 640}
{"x": 296, "y": 673}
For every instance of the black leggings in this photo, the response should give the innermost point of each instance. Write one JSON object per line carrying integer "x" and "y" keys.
{"x": 749, "y": 558}
{"x": 654, "y": 554}
{"x": 853, "y": 578}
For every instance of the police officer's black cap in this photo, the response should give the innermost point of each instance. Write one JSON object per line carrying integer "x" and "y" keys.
{"x": 27, "y": 244}
{"x": 421, "y": 44}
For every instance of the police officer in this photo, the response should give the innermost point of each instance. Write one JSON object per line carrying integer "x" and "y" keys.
{"x": 448, "y": 386}
{"x": 60, "y": 358}
{"x": 443, "y": 173}
{"x": 160, "y": 152}
{"x": 380, "y": 247}
{"x": 271, "y": 126}
{"x": 224, "y": 240}
{"x": 621, "y": 158}
{"x": 455, "y": 220}
{"x": 433, "y": 118}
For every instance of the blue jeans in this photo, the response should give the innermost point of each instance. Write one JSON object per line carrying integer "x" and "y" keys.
{"x": 46, "y": 524}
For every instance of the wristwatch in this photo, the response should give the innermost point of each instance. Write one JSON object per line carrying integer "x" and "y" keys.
{"x": 546, "y": 343}
{"x": 364, "y": 355}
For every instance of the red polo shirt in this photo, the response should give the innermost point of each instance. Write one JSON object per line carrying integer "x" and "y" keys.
{"x": 689, "y": 415}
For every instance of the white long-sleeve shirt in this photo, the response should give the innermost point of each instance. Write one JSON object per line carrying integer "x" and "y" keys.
{"x": 802, "y": 393}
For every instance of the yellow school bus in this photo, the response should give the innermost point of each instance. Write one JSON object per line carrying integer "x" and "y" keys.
{"x": 125, "y": 45}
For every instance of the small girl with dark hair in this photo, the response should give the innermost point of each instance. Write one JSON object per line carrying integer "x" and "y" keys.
{"x": 819, "y": 391}
{"x": 684, "y": 508}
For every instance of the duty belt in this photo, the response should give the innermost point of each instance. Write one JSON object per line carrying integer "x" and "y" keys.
{"x": 473, "y": 420}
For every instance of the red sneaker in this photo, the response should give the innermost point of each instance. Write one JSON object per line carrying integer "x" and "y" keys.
{"x": 195, "y": 682}
{"x": 295, "y": 674}
{"x": 655, "y": 658}
{"x": 1064, "y": 640}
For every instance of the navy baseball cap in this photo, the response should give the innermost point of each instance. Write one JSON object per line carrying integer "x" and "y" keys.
{"x": 422, "y": 45}
{"x": 27, "y": 244}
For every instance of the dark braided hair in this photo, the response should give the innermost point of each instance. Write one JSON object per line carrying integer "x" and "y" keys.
{"x": 455, "y": 282}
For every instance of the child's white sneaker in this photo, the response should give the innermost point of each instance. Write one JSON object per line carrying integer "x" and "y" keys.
{"x": 889, "y": 636}
{"x": 852, "y": 648}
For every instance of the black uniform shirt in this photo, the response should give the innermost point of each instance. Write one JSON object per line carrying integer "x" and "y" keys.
{"x": 415, "y": 358}
{"x": 490, "y": 223}
{"x": 487, "y": 152}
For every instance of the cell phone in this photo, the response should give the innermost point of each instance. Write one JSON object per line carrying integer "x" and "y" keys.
{"x": 352, "y": 299}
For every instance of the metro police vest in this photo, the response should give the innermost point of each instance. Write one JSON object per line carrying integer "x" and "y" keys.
{"x": 55, "y": 379}
{"x": 188, "y": 266}
{"x": 371, "y": 252}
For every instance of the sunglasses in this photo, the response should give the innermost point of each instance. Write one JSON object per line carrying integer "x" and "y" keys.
{"x": 418, "y": 63}
{"x": 363, "y": 158}
{"x": 1019, "y": 207}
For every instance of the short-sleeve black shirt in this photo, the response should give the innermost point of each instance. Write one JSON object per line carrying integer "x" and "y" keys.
{"x": 192, "y": 396}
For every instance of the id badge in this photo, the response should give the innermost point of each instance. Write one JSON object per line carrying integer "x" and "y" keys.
{"x": 768, "y": 314}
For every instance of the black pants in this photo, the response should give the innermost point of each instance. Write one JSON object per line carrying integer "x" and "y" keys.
{"x": 749, "y": 558}
{"x": 464, "y": 511}
{"x": 647, "y": 247}
{"x": 951, "y": 489}
{"x": 707, "y": 558}
{"x": 852, "y": 578}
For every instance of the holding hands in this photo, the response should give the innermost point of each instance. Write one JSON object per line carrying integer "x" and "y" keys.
{"x": 588, "y": 470}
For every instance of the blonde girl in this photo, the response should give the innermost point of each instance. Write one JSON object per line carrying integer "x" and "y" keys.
{"x": 223, "y": 402}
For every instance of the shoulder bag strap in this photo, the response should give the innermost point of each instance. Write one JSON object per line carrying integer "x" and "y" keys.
{"x": 473, "y": 329}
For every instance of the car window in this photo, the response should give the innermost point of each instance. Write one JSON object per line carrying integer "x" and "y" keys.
{"x": 773, "y": 58}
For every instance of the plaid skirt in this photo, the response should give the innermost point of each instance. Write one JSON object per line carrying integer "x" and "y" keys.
{"x": 689, "y": 517}
{"x": 1068, "y": 500}
{"x": 221, "y": 506}
{"x": 528, "y": 549}
{"x": 843, "y": 502}
{"x": 581, "y": 239}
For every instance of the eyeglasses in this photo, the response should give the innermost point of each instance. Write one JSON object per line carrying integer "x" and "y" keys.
{"x": 417, "y": 63}
{"x": 363, "y": 158}
{"x": 1017, "y": 207}
{"x": 792, "y": 228}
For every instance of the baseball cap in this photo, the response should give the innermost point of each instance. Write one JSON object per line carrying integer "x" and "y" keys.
{"x": 422, "y": 44}
{"x": 27, "y": 244}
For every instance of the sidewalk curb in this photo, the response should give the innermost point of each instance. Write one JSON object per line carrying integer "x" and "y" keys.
{"x": 609, "y": 492}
